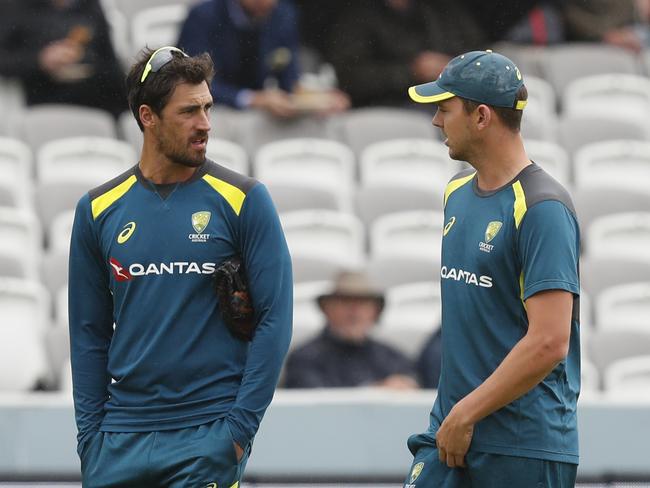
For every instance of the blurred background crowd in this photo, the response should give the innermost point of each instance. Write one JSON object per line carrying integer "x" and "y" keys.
{"x": 311, "y": 99}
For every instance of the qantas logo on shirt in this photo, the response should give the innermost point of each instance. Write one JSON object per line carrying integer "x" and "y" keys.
{"x": 170, "y": 268}
{"x": 119, "y": 272}
{"x": 466, "y": 276}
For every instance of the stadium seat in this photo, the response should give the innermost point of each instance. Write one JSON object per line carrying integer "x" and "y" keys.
{"x": 157, "y": 26}
{"x": 622, "y": 164}
{"x": 541, "y": 95}
{"x": 13, "y": 266}
{"x": 23, "y": 317}
{"x": 54, "y": 270}
{"x": 16, "y": 188}
{"x": 362, "y": 127}
{"x": 130, "y": 8}
{"x": 289, "y": 197}
{"x": 322, "y": 233}
{"x": 389, "y": 271}
{"x": 609, "y": 345}
{"x": 409, "y": 339}
{"x": 411, "y": 163}
{"x": 416, "y": 304}
{"x": 576, "y": 131}
{"x": 59, "y": 231}
{"x": 308, "y": 267}
{"x": 591, "y": 203}
{"x": 21, "y": 237}
{"x": 53, "y": 198}
{"x": 551, "y": 157}
{"x": 308, "y": 320}
{"x": 589, "y": 376}
{"x": 629, "y": 376}
{"x": 567, "y": 62}
{"x": 529, "y": 59}
{"x": 374, "y": 201}
{"x": 625, "y": 306}
{"x": 598, "y": 274}
{"x": 65, "y": 380}
{"x": 12, "y": 105}
{"x": 310, "y": 163}
{"x": 620, "y": 235}
{"x": 45, "y": 123}
{"x": 90, "y": 160}
{"x": 412, "y": 234}
{"x": 228, "y": 154}
{"x": 253, "y": 129}
{"x": 129, "y": 131}
{"x": 537, "y": 123}
{"x": 625, "y": 95}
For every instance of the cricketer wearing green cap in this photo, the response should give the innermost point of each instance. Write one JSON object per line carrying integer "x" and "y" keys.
{"x": 505, "y": 413}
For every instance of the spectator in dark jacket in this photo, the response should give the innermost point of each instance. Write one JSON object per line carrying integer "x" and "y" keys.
{"x": 381, "y": 47}
{"x": 429, "y": 363}
{"x": 61, "y": 52}
{"x": 344, "y": 355}
{"x": 254, "y": 46}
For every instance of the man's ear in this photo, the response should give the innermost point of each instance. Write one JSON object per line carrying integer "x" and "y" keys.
{"x": 147, "y": 116}
{"x": 483, "y": 116}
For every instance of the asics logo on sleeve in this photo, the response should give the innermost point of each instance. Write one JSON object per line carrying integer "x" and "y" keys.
{"x": 448, "y": 226}
{"x": 126, "y": 233}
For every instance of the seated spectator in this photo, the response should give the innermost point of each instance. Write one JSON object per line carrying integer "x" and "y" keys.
{"x": 62, "y": 53}
{"x": 381, "y": 47}
{"x": 622, "y": 23}
{"x": 254, "y": 46}
{"x": 429, "y": 361}
{"x": 344, "y": 355}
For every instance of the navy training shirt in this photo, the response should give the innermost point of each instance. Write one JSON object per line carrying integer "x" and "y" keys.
{"x": 499, "y": 249}
{"x": 149, "y": 349}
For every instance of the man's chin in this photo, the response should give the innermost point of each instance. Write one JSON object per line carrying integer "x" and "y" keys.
{"x": 189, "y": 162}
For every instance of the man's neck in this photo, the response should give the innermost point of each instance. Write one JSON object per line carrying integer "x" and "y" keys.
{"x": 500, "y": 161}
{"x": 158, "y": 169}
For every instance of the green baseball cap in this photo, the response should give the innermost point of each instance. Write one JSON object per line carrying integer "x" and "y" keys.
{"x": 481, "y": 76}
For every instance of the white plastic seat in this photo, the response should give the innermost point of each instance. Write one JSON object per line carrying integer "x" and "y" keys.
{"x": 21, "y": 237}
{"x": 53, "y": 198}
{"x": 551, "y": 157}
{"x": 622, "y": 164}
{"x": 289, "y": 197}
{"x": 620, "y": 235}
{"x": 590, "y": 378}
{"x": 228, "y": 154}
{"x": 374, "y": 201}
{"x": 362, "y": 127}
{"x": 612, "y": 344}
{"x": 541, "y": 95}
{"x": 91, "y": 160}
{"x": 416, "y": 304}
{"x": 54, "y": 269}
{"x": 609, "y": 94}
{"x": 45, "y": 123}
{"x": 311, "y": 163}
{"x": 414, "y": 234}
{"x": 592, "y": 202}
{"x": 538, "y": 123}
{"x": 12, "y": 104}
{"x": 389, "y": 271}
{"x": 306, "y": 312}
{"x": 578, "y": 130}
{"x": 407, "y": 338}
{"x": 311, "y": 266}
{"x": 568, "y": 62}
{"x": 625, "y": 306}
{"x": 157, "y": 26}
{"x": 15, "y": 173}
{"x": 630, "y": 376}
{"x": 323, "y": 233}
{"x": 412, "y": 163}
{"x": 24, "y": 307}
{"x": 60, "y": 231}
{"x": 598, "y": 274}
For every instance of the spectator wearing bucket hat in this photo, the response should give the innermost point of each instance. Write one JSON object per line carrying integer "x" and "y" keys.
{"x": 344, "y": 354}
{"x": 506, "y": 409}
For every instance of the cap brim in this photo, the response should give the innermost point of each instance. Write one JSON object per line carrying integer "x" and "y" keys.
{"x": 429, "y": 93}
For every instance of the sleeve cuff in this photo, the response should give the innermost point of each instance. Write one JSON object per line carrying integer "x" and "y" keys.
{"x": 238, "y": 435}
{"x": 551, "y": 285}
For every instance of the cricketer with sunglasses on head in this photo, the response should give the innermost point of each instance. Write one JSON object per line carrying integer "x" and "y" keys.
{"x": 164, "y": 394}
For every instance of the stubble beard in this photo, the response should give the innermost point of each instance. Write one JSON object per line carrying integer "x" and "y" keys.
{"x": 179, "y": 156}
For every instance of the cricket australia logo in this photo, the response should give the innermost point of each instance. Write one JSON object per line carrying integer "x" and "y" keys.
{"x": 200, "y": 221}
{"x": 491, "y": 232}
{"x": 415, "y": 472}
